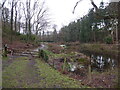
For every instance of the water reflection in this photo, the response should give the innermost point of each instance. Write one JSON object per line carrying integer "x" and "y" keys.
{"x": 98, "y": 63}
{"x": 101, "y": 63}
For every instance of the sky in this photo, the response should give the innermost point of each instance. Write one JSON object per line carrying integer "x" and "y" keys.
{"x": 61, "y": 10}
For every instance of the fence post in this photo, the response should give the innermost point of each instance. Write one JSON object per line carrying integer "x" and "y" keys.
{"x": 89, "y": 71}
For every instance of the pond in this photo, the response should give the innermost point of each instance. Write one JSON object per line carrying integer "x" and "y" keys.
{"x": 98, "y": 63}
{"x": 101, "y": 63}
{"x": 42, "y": 46}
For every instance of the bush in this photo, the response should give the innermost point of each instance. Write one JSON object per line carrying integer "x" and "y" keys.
{"x": 43, "y": 55}
{"x": 81, "y": 60}
{"x": 108, "y": 40}
{"x": 23, "y": 37}
{"x": 33, "y": 37}
{"x": 40, "y": 53}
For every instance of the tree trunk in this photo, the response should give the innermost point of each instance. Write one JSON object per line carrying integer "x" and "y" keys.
{"x": 119, "y": 44}
{"x": 3, "y": 20}
{"x": 29, "y": 21}
{"x": 11, "y": 22}
{"x": 15, "y": 19}
{"x": 26, "y": 28}
{"x": 29, "y": 27}
{"x": 94, "y": 36}
{"x": 19, "y": 26}
{"x": 118, "y": 23}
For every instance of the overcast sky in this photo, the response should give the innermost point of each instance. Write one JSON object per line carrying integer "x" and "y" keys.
{"x": 61, "y": 10}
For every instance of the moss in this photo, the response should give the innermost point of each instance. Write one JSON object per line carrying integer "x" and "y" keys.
{"x": 49, "y": 52}
{"x": 82, "y": 60}
{"x": 14, "y": 72}
{"x": 22, "y": 58}
{"x": 4, "y": 58}
{"x": 52, "y": 77}
{"x": 72, "y": 60}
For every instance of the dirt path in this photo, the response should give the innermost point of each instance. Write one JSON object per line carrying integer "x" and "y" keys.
{"x": 20, "y": 71}
{"x": 23, "y": 70}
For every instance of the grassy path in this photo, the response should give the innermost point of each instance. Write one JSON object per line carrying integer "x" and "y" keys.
{"x": 20, "y": 73}
{"x": 29, "y": 72}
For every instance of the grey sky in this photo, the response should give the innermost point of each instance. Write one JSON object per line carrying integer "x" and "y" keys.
{"x": 61, "y": 10}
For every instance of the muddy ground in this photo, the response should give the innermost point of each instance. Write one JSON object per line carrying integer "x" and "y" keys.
{"x": 98, "y": 79}
{"x": 106, "y": 79}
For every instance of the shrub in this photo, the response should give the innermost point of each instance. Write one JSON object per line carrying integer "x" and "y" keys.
{"x": 108, "y": 40}
{"x": 82, "y": 60}
{"x": 33, "y": 37}
{"x": 4, "y": 54}
{"x": 40, "y": 53}
{"x": 23, "y": 37}
{"x": 43, "y": 55}
{"x": 65, "y": 66}
{"x": 27, "y": 37}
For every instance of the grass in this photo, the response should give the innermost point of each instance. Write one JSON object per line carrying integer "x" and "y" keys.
{"x": 53, "y": 78}
{"x": 14, "y": 73}
{"x": 100, "y": 48}
{"x": 82, "y": 60}
{"x": 22, "y": 58}
{"x": 63, "y": 55}
{"x": 4, "y": 58}
{"x": 20, "y": 74}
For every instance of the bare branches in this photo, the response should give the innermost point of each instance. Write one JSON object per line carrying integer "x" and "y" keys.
{"x": 31, "y": 17}
{"x": 94, "y": 5}
{"x": 76, "y": 6}
{"x": 3, "y": 3}
{"x": 92, "y": 2}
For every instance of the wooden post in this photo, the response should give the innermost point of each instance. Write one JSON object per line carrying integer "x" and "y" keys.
{"x": 5, "y": 50}
{"x": 89, "y": 71}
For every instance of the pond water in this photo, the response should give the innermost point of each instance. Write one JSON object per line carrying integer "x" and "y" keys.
{"x": 101, "y": 63}
{"x": 98, "y": 63}
{"x": 42, "y": 46}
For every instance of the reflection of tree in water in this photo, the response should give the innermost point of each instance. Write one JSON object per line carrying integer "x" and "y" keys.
{"x": 100, "y": 63}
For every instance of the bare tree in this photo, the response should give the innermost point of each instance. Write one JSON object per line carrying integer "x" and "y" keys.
{"x": 54, "y": 33}
{"x": 41, "y": 22}
{"x": 4, "y": 1}
{"x": 11, "y": 21}
{"x": 19, "y": 17}
{"x": 16, "y": 18}
{"x": 26, "y": 15}
{"x": 14, "y": 3}
{"x": 5, "y": 17}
